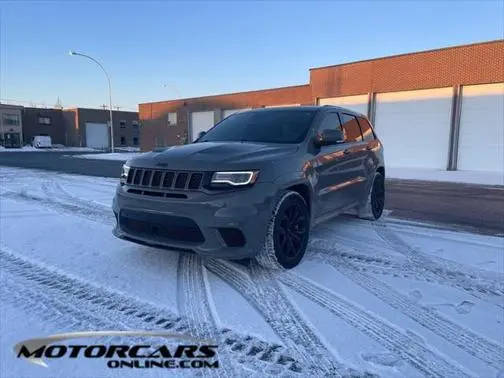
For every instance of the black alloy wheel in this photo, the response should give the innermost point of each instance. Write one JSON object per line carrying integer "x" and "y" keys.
{"x": 378, "y": 196}
{"x": 291, "y": 231}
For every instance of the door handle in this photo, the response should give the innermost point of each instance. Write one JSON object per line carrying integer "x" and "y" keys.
{"x": 347, "y": 151}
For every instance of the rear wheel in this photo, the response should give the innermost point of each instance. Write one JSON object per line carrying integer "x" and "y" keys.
{"x": 288, "y": 233}
{"x": 375, "y": 202}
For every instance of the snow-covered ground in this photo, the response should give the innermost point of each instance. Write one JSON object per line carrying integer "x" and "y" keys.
{"x": 468, "y": 177}
{"x": 54, "y": 148}
{"x": 386, "y": 298}
{"x": 123, "y": 156}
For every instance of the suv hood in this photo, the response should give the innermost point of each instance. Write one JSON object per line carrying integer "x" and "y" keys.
{"x": 211, "y": 156}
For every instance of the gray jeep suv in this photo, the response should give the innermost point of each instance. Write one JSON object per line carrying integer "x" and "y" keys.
{"x": 254, "y": 185}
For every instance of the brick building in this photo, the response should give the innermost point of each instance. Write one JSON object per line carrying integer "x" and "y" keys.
{"x": 11, "y": 125}
{"x": 438, "y": 109}
{"x": 79, "y": 127}
{"x": 44, "y": 121}
{"x": 89, "y": 128}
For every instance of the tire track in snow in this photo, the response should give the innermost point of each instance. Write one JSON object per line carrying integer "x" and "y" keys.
{"x": 191, "y": 289}
{"x": 67, "y": 318}
{"x": 416, "y": 354}
{"x": 193, "y": 302}
{"x": 487, "y": 351}
{"x": 61, "y": 207}
{"x": 81, "y": 304}
{"x": 264, "y": 294}
{"x": 485, "y": 285}
{"x": 97, "y": 215}
{"x": 469, "y": 280}
{"x": 71, "y": 209}
{"x": 56, "y": 193}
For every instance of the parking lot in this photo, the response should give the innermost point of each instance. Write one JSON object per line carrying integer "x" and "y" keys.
{"x": 398, "y": 291}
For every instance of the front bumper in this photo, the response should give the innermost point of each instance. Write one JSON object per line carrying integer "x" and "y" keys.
{"x": 247, "y": 210}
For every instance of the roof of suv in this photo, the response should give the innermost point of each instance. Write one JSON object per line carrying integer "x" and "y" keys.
{"x": 307, "y": 107}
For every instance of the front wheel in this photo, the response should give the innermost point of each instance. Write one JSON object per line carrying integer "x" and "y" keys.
{"x": 375, "y": 201}
{"x": 287, "y": 234}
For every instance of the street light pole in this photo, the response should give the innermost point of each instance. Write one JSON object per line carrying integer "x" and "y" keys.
{"x": 73, "y": 53}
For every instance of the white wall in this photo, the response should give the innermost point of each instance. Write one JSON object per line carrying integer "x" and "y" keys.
{"x": 481, "y": 134}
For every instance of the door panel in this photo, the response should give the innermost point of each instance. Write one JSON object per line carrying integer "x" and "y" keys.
{"x": 358, "y": 152}
{"x": 336, "y": 168}
{"x": 481, "y": 135}
{"x": 201, "y": 121}
{"x": 414, "y": 127}
{"x": 97, "y": 135}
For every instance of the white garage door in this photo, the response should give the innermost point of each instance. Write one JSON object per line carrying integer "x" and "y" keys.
{"x": 97, "y": 135}
{"x": 414, "y": 127}
{"x": 201, "y": 121}
{"x": 482, "y": 128}
{"x": 357, "y": 103}
{"x": 228, "y": 112}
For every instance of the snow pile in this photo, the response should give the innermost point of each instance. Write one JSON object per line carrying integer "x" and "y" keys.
{"x": 123, "y": 156}
{"x": 55, "y": 147}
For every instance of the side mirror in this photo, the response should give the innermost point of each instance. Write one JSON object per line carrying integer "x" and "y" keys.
{"x": 329, "y": 137}
{"x": 201, "y": 134}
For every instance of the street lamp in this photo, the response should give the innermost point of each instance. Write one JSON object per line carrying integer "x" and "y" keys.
{"x": 74, "y": 53}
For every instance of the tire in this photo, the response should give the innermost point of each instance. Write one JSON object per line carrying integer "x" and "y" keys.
{"x": 375, "y": 201}
{"x": 287, "y": 234}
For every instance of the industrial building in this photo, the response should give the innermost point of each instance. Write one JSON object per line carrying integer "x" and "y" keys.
{"x": 437, "y": 109}
{"x": 77, "y": 127}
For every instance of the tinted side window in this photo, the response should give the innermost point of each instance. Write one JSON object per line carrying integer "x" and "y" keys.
{"x": 367, "y": 132}
{"x": 331, "y": 121}
{"x": 351, "y": 126}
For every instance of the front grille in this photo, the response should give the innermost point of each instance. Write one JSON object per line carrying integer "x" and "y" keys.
{"x": 160, "y": 227}
{"x": 167, "y": 180}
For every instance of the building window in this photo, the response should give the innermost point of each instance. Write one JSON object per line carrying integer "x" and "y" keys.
{"x": 44, "y": 120}
{"x": 122, "y": 124}
{"x": 135, "y": 141}
{"x": 11, "y": 120}
{"x": 172, "y": 119}
{"x": 134, "y": 124}
{"x": 123, "y": 141}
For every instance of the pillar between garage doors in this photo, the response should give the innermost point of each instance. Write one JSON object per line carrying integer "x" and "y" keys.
{"x": 371, "y": 107}
{"x": 454, "y": 128}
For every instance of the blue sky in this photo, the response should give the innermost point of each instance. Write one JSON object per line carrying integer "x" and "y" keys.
{"x": 163, "y": 50}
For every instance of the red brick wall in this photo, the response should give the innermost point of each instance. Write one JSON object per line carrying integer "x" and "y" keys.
{"x": 471, "y": 64}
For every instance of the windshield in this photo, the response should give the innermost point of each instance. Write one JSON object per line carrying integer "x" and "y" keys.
{"x": 272, "y": 126}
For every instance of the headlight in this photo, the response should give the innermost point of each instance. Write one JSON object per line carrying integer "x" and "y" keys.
{"x": 124, "y": 173}
{"x": 234, "y": 178}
